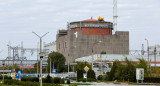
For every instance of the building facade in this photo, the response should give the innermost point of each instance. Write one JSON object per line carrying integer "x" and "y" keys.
{"x": 89, "y": 37}
{"x": 49, "y": 47}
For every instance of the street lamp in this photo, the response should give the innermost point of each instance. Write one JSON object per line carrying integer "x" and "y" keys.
{"x": 93, "y": 50}
{"x": 68, "y": 61}
{"x": 148, "y": 52}
{"x": 69, "y": 55}
{"x": 50, "y": 65}
{"x": 3, "y": 63}
{"x": 41, "y": 55}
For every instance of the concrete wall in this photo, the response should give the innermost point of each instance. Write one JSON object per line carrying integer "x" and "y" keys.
{"x": 82, "y": 45}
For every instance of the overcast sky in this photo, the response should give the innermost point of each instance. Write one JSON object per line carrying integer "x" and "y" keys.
{"x": 18, "y": 18}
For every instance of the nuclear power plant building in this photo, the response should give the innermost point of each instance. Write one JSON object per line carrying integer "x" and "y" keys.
{"x": 91, "y": 36}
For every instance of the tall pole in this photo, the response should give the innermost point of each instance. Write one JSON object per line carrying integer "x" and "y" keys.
{"x": 3, "y": 73}
{"x": 155, "y": 56}
{"x": 50, "y": 65}
{"x": 40, "y": 62}
{"x": 8, "y": 56}
{"x": 40, "y": 58}
{"x": 93, "y": 51}
{"x": 68, "y": 60}
{"x": 68, "y": 66}
{"x": 148, "y": 52}
{"x": 13, "y": 56}
{"x": 13, "y": 70}
{"x": 3, "y": 62}
{"x": 37, "y": 61}
{"x": 92, "y": 58}
{"x": 101, "y": 65}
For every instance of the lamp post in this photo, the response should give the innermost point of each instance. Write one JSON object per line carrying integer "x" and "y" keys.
{"x": 3, "y": 63}
{"x": 148, "y": 52}
{"x": 50, "y": 65}
{"x": 93, "y": 50}
{"x": 101, "y": 65}
{"x": 69, "y": 55}
{"x": 41, "y": 55}
{"x": 37, "y": 61}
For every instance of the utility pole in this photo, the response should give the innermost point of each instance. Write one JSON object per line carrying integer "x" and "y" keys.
{"x": 93, "y": 51}
{"x": 41, "y": 55}
{"x": 68, "y": 66}
{"x": 13, "y": 69}
{"x": 37, "y": 62}
{"x": 68, "y": 61}
{"x": 3, "y": 63}
{"x": 155, "y": 56}
{"x": 101, "y": 65}
{"x": 148, "y": 53}
{"x": 50, "y": 65}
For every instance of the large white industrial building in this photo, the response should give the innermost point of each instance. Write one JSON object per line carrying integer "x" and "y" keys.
{"x": 102, "y": 62}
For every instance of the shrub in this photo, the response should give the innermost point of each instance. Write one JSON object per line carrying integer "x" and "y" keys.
{"x": 91, "y": 80}
{"x": 35, "y": 79}
{"x": 28, "y": 83}
{"x": 32, "y": 79}
{"x": 79, "y": 80}
{"x": 91, "y": 74}
{"x": 49, "y": 84}
{"x": 11, "y": 82}
{"x": 100, "y": 77}
{"x": 79, "y": 74}
{"x": 83, "y": 80}
{"x": 62, "y": 81}
{"x": 68, "y": 81}
{"x": 5, "y": 77}
{"x": 88, "y": 80}
{"x": 152, "y": 79}
{"x": 57, "y": 80}
{"x": 47, "y": 80}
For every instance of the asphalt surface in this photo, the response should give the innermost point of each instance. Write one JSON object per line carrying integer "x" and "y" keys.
{"x": 110, "y": 84}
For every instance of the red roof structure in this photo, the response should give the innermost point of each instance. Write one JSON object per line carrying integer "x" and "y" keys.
{"x": 28, "y": 67}
{"x": 90, "y": 20}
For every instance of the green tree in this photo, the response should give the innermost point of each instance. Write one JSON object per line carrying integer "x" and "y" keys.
{"x": 143, "y": 64}
{"x": 126, "y": 71}
{"x": 114, "y": 73}
{"x": 35, "y": 67}
{"x": 79, "y": 74}
{"x": 155, "y": 72}
{"x": 57, "y": 60}
{"x": 15, "y": 66}
{"x": 131, "y": 70}
{"x": 91, "y": 74}
{"x": 103, "y": 52}
{"x": 79, "y": 67}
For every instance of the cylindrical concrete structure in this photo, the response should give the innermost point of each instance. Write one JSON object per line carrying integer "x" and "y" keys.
{"x": 92, "y": 27}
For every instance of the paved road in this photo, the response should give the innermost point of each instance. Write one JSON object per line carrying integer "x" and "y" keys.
{"x": 108, "y": 84}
